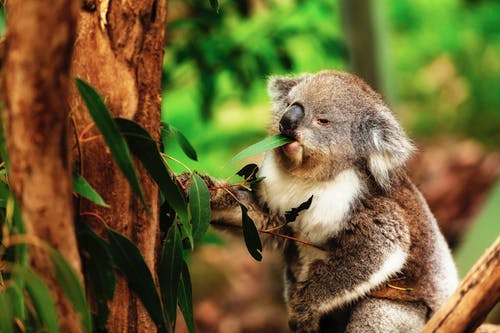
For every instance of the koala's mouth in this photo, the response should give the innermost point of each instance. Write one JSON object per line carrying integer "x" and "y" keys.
{"x": 294, "y": 152}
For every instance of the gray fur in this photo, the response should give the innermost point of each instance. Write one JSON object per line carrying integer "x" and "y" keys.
{"x": 367, "y": 223}
{"x": 382, "y": 315}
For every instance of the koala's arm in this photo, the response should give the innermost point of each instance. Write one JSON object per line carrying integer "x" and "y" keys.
{"x": 225, "y": 207}
{"x": 364, "y": 257}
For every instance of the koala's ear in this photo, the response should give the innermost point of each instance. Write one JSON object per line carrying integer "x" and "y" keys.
{"x": 279, "y": 86}
{"x": 386, "y": 145}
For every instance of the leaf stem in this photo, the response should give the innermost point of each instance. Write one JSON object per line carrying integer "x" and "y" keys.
{"x": 85, "y": 130}
{"x": 165, "y": 156}
{"x": 222, "y": 187}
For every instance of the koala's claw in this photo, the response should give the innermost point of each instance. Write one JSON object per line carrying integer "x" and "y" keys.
{"x": 303, "y": 324}
{"x": 184, "y": 180}
{"x": 295, "y": 327}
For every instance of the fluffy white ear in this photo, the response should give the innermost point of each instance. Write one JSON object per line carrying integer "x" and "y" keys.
{"x": 387, "y": 146}
{"x": 278, "y": 87}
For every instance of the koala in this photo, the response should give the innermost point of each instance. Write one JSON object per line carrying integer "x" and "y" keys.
{"x": 371, "y": 256}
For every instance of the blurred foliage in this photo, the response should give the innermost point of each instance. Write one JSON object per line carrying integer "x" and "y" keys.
{"x": 227, "y": 51}
{"x": 445, "y": 57}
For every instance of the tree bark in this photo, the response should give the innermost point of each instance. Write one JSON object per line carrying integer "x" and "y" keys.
{"x": 119, "y": 50}
{"x": 39, "y": 45}
{"x": 476, "y": 295}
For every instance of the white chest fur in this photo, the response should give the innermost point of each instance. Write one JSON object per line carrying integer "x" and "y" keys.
{"x": 331, "y": 199}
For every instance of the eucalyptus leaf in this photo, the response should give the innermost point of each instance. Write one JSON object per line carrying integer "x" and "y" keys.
{"x": 169, "y": 271}
{"x": 249, "y": 172}
{"x": 266, "y": 144}
{"x": 3, "y": 150}
{"x": 187, "y": 233}
{"x": 72, "y": 288}
{"x": 145, "y": 149}
{"x": 292, "y": 214}
{"x": 130, "y": 261}
{"x": 199, "y": 207}
{"x": 251, "y": 235}
{"x": 99, "y": 266}
{"x": 6, "y": 313}
{"x": 112, "y": 136}
{"x": 215, "y": 5}
{"x": 19, "y": 250}
{"x": 186, "y": 297}
{"x": 40, "y": 296}
{"x": 185, "y": 145}
{"x": 16, "y": 298}
{"x": 4, "y": 194}
{"x": 171, "y": 131}
{"x": 83, "y": 188}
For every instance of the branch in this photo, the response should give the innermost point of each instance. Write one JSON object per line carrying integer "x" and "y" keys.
{"x": 476, "y": 295}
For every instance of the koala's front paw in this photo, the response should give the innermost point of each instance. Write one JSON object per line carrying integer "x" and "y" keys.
{"x": 184, "y": 179}
{"x": 302, "y": 324}
{"x": 303, "y": 319}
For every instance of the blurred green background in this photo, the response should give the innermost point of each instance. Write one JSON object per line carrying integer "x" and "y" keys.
{"x": 439, "y": 62}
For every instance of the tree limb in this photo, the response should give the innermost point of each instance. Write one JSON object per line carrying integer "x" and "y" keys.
{"x": 476, "y": 295}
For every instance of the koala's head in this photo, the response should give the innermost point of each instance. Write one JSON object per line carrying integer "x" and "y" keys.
{"x": 337, "y": 122}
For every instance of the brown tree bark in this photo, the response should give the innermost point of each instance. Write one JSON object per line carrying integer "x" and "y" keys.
{"x": 119, "y": 50}
{"x": 476, "y": 295}
{"x": 39, "y": 45}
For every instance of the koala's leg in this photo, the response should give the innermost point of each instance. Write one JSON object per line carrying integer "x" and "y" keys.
{"x": 387, "y": 316}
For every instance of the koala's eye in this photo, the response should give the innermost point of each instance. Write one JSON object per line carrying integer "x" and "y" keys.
{"x": 323, "y": 121}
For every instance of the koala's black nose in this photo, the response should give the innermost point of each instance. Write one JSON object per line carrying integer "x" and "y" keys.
{"x": 291, "y": 119}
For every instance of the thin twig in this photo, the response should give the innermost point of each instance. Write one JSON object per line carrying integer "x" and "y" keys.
{"x": 221, "y": 187}
{"x": 93, "y": 214}
{"x": 85, "y": 130}
{"x": 165, "y": 156}
{"x": 90, "y": 138}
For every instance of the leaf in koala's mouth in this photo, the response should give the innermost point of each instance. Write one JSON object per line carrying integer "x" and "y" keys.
{"x": 266, "y": 144}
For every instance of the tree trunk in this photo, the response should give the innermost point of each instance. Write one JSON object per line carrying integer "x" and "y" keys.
{"x": 364, "y": 25}
{"x": 39, "y": 45}
{"x": 476, "y": 295}
{"x": 119, "y": 50}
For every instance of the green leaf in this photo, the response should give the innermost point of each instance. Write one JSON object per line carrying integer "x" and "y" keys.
{"x": 145, "y": 149}
{"x": 291, "y": 215}
{"x": 3, "y": 150}
{"x": 6, "y": 313}
{"x": 186, "y": 297}
{"x": 251, "y": 235}
{"x": 249, "y": 172}
{"x": 130, "y": 261}
{"x": 72, "y": 288}
{"x": 15, "y": 222}
{"x": 187, "y": 148}
{"x": 40, "y": 296}
{"x": 169, "y": 271}
{"x": 199, "y": 207}
{"x": 83, "y": 188}
{"x": 187, "y": 232}
{"x": 115, "y": 141}
{"x": 16, "y": 298}
{"x": 4, "y": 194}
{"x": 99, "y": 267}
{"x": 266, "y": 144}
{"x": 215, "y": 5}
